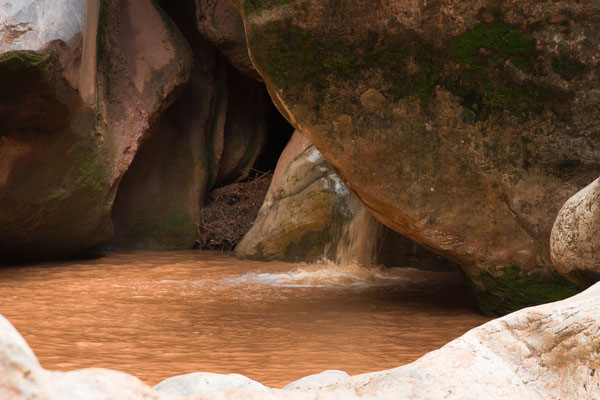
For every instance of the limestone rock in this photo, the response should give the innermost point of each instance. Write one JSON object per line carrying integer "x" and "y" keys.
{"x": 211, "y": 135}
{"x": 32, "y": 24}
{"x": 73, "y": 114}
{"x": 461, "y": 125}
{"x": 575, "y": 241}
{"x": 190, "y": 385}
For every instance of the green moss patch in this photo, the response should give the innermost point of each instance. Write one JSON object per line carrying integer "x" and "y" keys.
{"x": 514, "y": 290}
{"x": 485, "y": 84}
{"x": 293, "y": 58}
{"x": 488, "y": 59}
{"x": 25, "y": 71}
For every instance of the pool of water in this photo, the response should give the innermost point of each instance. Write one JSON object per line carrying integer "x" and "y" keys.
{"x": 157, "y": 314}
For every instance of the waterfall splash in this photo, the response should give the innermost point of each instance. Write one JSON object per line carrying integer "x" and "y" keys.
{"x": 358, "y": 239}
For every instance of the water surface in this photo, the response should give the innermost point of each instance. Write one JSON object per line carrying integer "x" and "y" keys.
{"x": 156, "y": 315}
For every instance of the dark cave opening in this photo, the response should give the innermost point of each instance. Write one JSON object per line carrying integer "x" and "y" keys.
{"x": 279, "y": 133}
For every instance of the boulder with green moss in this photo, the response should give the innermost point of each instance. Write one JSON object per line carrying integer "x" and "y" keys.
{"x": 462, "y": 125}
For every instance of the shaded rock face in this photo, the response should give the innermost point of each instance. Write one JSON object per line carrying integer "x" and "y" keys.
{"x": 97, "y": 99}
{"x": 575, "y": 242}
{"x": 211, "y": 135}
{"x": 220, "y": 22}
{"x": 462, "y": 125}
{"x": 548, "y": 352}
{"x": 73, "y": 115}
{"x": 308, "y": 215}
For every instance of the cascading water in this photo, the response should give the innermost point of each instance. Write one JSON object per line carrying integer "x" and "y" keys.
{"x": 357, "y": 243}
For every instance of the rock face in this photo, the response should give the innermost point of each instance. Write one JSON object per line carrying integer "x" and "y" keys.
{"x": 308, "y": 214}
{"x": 73, "y": 114}
{"x": 211, "y": 135}
{"x": 295, "y": 220}
{"x": 461, "y": 125}
{"x": 104, "y": 96}
{"x": 548, "y": 352}
{"x": 220, "y": 22}
{"x": 575, "y": 241}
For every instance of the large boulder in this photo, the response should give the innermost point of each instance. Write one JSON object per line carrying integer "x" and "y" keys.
{"x": 308, "y": 214}
{"x": 295, "y": 221}
{"x": 575, "y": 241}
{"x": 80, "y": 85}
{"x": 462, "y": 125}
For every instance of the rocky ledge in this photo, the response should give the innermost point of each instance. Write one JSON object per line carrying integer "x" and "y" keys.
{"x": 546, "y": 352}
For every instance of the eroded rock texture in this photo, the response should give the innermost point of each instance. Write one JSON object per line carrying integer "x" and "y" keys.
{"x": 462, "y": 125}
{"x": 88, "y": 92}
{"x": 73, "y": 113}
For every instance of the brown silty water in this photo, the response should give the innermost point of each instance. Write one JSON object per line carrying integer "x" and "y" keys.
{"x": 156, "y": 315}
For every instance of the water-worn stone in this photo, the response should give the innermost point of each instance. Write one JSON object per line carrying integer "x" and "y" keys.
{"x": 190, "y": 385}
{"x": 308, "y": 214}
{"x": 295, "y": 221}
{"x": 462, "y": 125}
{"x": 548, "y": 352}
{"x": 575, "y": 241}
{"x": 73, "y": 114}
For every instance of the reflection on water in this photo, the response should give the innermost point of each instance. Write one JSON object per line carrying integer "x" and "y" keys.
{"x": 156, "y": 315}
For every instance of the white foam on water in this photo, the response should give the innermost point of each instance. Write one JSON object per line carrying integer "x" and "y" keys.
{"x": 325, "y": 275}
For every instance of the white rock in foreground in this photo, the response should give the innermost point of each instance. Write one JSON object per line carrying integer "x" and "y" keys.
{"x": 205, "y": 382}
{"x": 320, "y": 381}
{"x": 548, "y": 352}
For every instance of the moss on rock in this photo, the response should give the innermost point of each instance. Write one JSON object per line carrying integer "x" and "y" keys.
{"x": 515, "y": 289}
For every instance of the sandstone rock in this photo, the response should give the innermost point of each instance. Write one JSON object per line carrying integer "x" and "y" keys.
{"x": 461, "y": 125}
{"x": 73, "y": 114}
{"x": 294, "y": 222}
{"x": 211, "y": 135}
{"x": 319, "y": 381}
{"x": 575, "y": 241}
{"x": 220, "y": 22}
{"x": 309, "y": 214}
{"x": 190, "y": 385}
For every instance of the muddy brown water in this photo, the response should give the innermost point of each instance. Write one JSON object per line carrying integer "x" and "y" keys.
{"x": 156, "y": 315}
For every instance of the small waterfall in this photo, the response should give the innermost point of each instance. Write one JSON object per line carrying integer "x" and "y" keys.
{"x": 358, "y": 239}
